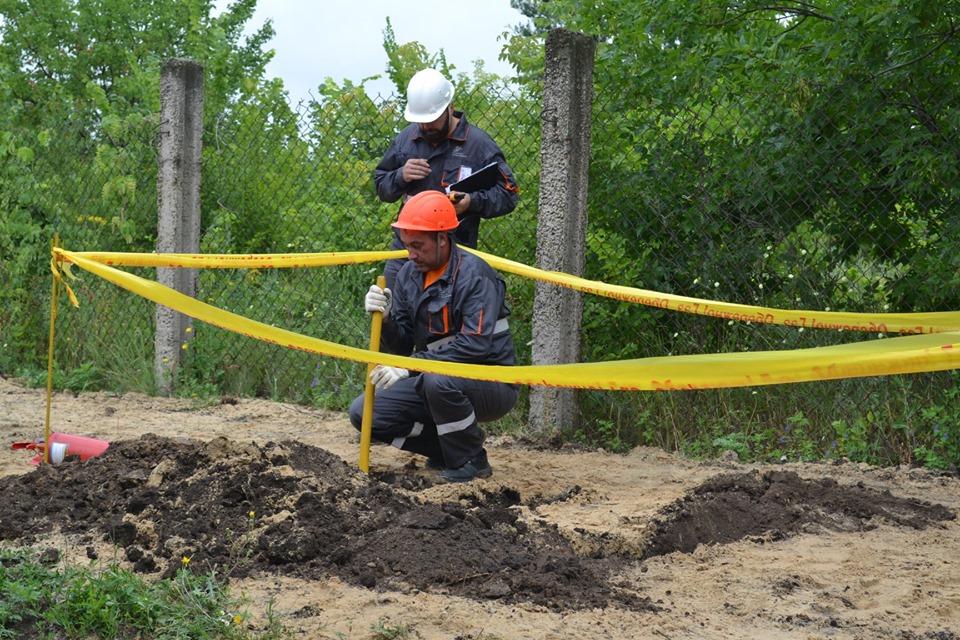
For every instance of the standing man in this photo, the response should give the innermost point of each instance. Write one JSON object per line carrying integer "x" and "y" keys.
{"x": 447, "y": 305}
{"x": 438, "y": 149}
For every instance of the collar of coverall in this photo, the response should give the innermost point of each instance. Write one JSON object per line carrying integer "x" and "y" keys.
{"x": 435, "y": 274}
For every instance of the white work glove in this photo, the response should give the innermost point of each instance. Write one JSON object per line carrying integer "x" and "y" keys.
{"x": 384, "y": 377}
{"x": 378, "y": 299}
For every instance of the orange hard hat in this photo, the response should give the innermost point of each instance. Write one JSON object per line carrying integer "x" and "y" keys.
{"x": 428, "y": 211}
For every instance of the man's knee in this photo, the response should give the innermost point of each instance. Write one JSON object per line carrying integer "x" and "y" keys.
{"x": 356, "y": 412}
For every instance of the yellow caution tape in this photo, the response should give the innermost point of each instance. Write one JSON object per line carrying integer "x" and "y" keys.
{"x": 231, "y": 261}
{"x": 901, "y": 323}
{"x": 909, "y": 354}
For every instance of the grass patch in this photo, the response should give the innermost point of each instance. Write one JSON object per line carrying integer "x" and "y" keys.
{"x": 40, "y": 597}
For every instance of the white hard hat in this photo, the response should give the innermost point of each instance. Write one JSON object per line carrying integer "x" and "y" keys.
{"x": 428, "y": 94}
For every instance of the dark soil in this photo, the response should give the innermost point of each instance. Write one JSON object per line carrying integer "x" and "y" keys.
{"x": 778, "y": 504}
{"x": 288, "y": 508}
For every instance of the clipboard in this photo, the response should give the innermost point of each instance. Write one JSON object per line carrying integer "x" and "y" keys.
{"x": 485, "y": 178}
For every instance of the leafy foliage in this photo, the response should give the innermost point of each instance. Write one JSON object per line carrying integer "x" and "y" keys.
{"x": 761, "y": 121}
{"x": 78, "y": 115}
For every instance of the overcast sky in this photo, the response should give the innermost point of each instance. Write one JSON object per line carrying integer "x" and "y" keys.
{"x": 344, "y": 38}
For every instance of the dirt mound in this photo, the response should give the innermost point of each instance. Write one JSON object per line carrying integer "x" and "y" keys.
{"x": 289, "y": 508}
{"x": 778, "y": 504}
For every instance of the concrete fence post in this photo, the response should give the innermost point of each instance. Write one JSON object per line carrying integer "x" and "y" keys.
{"x": 562, "y": 218}
{"x": 178, "y": 204}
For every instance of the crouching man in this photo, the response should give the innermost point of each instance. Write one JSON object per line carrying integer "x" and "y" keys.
{"x": 448, "y": 305}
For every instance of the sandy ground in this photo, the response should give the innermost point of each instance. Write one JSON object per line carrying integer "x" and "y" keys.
{"x": 887, "y": 582}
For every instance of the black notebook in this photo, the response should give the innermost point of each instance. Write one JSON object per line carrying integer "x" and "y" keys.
{"x": 478, "y": 180}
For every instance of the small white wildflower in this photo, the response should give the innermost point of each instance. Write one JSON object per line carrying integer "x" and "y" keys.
{"x": 716, "y": 284}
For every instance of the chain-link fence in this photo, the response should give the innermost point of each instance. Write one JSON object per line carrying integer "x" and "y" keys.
{"x": 843, "y": 198}
{"x": 774, "y": 200}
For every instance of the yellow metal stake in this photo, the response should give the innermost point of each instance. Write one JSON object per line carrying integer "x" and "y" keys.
{"x": 54, "y": 300}
{"x": 367, "y": 423}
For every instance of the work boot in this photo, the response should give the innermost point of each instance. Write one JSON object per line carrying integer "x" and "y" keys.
{"x": 435, "y": 463}
{"x": 478, "y": 468}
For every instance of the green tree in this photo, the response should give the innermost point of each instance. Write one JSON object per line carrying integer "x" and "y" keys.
{"x": 832, "y": 125}
{"x": 790, "y": 155}
{"x": 94, "y": 57}
{"x": 79, "y": 95}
